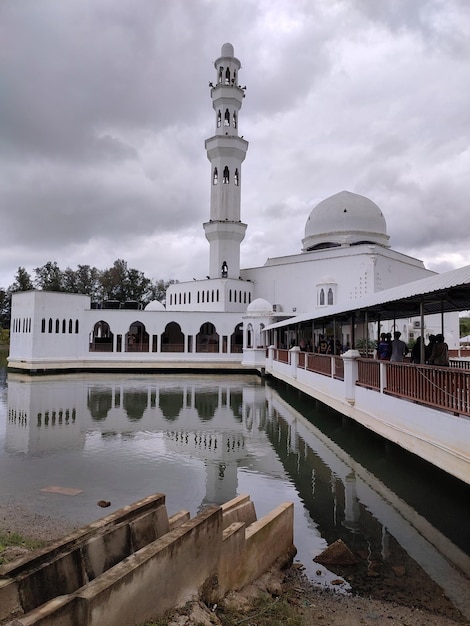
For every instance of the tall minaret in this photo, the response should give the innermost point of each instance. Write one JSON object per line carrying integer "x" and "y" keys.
{"x": 226, "y": 152}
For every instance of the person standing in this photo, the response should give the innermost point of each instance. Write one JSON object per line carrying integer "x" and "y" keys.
{"x": 416, "y": 351}
{"x": 384, "y": 348}
{"x": 399, "y": 349}
{"x": 440, "y": 352}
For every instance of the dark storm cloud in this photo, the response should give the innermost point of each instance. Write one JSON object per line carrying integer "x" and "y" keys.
{"x": 105, "y": 106}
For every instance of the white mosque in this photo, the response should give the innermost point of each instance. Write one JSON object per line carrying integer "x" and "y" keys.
{"x": 218, "y": 322}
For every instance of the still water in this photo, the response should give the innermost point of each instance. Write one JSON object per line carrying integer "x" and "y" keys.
{"x": 203, "y": 439}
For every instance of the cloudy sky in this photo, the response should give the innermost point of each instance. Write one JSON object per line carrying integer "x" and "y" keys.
{"x": 105, "y": 106}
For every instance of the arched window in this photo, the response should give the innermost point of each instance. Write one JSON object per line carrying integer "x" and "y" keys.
{"x": 189, "y": 298}
{"x": 50, "y": 324}
{"x": 235, "y": 178}
{"x": 226, "y": 178}
{"x": 221, "y": 73}
{"x": 57, "y": 326}
{"x": 64, "y": 327}
{"x": 202, "y": 296}
{"x": 322, "y": 297}
{"x": 217, "y": 295}
{"x": 216, "y": 177}
{"x": 101, "y": 339}
{"x": 43, "y": 325}
{"x": 219, "y": 119}
{"x": 212, "y": 295}
{"x": 230, "y": 295}
{"x": 227, "y": 118}
{"x": 330, "y": 296}
{"x": 76, "y": 327}
{"x": 70, "y": 327}
{"x": 234, "y": 295}
{"x": 198, "y": 297}
{"x": 172, "y": 339}
{"x": 179, "y": 299}
{"x": 137, "y": 338}
{"x": 207, "y": 339}
{"x": 244, "y": 297}
{"x": 227, "y": 76}
{"x": 234, "y": 119}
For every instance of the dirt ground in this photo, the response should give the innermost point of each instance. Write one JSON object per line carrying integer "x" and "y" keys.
{"x": 398, "y": 596}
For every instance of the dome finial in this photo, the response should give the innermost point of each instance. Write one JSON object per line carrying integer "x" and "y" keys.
{"x": 227, "y": 50}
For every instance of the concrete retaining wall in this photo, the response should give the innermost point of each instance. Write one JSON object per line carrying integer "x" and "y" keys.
{"x": 137, "y": 563}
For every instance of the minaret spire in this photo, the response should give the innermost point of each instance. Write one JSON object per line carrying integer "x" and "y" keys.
{"x": 226, "y": 152}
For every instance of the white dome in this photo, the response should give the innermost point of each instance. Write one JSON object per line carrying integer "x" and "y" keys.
{"x": 154, "y": 305}
{"x": 260, "y": 305}
{"x": 345, "y": 219}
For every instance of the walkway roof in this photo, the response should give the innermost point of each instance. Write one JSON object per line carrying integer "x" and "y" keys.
{"x": 441, "y": 293}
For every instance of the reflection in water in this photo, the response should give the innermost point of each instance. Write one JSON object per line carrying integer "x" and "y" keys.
{"x": 170, "y": 403}
{"x": 135, "y": 403}
{"x": 100, "y": 402}
{"x": 206, "y": 404}
{"x": 200, "y": 442}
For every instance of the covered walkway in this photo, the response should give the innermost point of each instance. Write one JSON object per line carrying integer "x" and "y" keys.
{"x": 423, "y": 408}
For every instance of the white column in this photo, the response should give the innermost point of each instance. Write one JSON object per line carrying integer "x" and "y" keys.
{"x": 350, "y": 374}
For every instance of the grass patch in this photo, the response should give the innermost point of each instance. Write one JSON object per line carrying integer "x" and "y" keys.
{"x": 14, "y": 539}
{"x": 264, "y": 611}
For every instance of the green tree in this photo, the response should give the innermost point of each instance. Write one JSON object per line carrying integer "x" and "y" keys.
{"x": 464, "y": 326}
{"x": 157, "y": 290}
{"x": 22, "y": 281}
{"x": 113, "y": 282}
{"x": 49, "y": 277}
{"x": 5, "y": 309}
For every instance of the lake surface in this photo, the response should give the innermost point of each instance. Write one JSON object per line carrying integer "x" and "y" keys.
{"x": 204, "y": 439}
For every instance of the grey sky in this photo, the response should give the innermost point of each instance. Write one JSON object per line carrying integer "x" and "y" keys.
{"x": 105, "y": 106}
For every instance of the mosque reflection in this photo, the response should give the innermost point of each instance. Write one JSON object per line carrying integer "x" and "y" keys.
{"x": 235, "y": 424}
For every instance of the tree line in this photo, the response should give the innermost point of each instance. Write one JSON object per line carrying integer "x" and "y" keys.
{"x": 118, "y": 282}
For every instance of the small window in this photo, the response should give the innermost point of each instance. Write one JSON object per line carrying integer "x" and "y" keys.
{"x": 50, "y": 324}
{"x": 215, "y": 177}
{"x": 221, "y": 73}
{"x": 76, "y": 327}
{"x": 64, "y": 327}
{"x": 227, "y": 76}
{"x": 330, "y": 296}
{"x": 227, "y": 118}
{"x": 219, "y": 119}
{"x": 57, "y": 326}
{"x": 322, "y": 297}
{"x": 234, "y": 119}
{"x": 43, "y": 325}
{"x": 235, "y": 178}
{"x": 226, "y": 178}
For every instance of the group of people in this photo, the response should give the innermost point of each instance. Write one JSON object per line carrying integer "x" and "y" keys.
{"x": 436, "y": 352}
{"x": 325, "y": 346}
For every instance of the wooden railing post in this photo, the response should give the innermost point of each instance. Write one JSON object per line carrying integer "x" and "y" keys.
{"x": 350, "y": 374}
